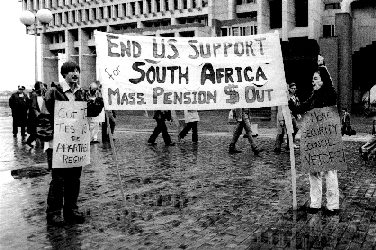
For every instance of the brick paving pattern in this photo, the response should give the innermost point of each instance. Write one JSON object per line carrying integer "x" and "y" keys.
{"x": 191, "y": 196}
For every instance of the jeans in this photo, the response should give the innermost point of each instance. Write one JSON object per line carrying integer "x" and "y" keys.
{"x": 332, "y": 191}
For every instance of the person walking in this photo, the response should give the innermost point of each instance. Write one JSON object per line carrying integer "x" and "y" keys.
{"x": 161, "y": 116}
{"x": 242, "y": 118}
{"x": 323, "y": 95}
{"x": 18, "y": 102}
{"x": 191, "y": 118}
{"x": 93, "y": 93}
{"x": 65, "y": 184}
{"x": 35, "y": 107}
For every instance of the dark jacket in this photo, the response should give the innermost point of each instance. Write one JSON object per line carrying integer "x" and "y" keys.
{"x": 34, "y": 111}
{"x": 324, "y": 97}
{"x": 162, "y": 115}
{"x": 19, "y": 107}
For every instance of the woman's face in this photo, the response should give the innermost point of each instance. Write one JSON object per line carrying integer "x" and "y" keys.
{"x": 316, "y": 81}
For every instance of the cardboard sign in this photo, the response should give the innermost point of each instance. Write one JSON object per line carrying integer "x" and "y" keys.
{"x": 321, "y": 146}
{"x": 71, "y": 147}
{"x": 190, "y": 73}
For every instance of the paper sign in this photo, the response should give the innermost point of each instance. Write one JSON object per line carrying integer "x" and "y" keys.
{"x": 321, "y": 146}
{"x": 71, "y": 147}
{"x": 196, "y": 73}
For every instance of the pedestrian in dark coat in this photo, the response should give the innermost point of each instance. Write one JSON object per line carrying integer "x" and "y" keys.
{"x": 35, "y": 105}
{"x": 161, "y": 117}
{"x": 18, "y": 102}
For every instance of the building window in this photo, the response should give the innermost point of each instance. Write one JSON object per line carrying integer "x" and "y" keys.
{"x": 116, "y": 12}
{"x": 158, "y": 3}
{"x": 240, "y": 2}
{"x": 94, "y": 14}
{"x": 301, "y": 13}
{"x": 332, "y": 6}
{"x": 100, "y": 12}
{"x": 328, "y": 31}
{"x": 239, "y": 31}
{"x": 276, "y": 13}
{"x": 87, "y": 15}
{"x": 252, "y": 14}
{"x": 109, "y": 12}
{"x": 176, "y": 5}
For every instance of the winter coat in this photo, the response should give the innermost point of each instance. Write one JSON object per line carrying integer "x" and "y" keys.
{"x": 162, "y": 115}
{"x": 191, "y": 116}
{"x": 18, "y": 102}
{"x": 34, "y": 111}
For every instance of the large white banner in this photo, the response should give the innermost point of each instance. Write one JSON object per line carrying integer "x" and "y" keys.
{"x": 198, "y": 73}
{"x": 71, "y": 147}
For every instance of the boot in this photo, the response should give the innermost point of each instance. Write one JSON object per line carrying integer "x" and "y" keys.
{"x": 74, "y": 217}
{"x": 54, "y": 219}
{"x": 233, "y": 150}
{"x": 256, "y": 151}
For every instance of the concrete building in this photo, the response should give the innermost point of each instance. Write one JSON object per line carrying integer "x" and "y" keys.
{"x": 343, "y": 31}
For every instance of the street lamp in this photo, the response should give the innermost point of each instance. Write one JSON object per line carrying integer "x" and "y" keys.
{"x": 44, "y": 16}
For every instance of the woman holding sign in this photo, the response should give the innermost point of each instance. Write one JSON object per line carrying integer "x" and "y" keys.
{"x": 323, "y": 96}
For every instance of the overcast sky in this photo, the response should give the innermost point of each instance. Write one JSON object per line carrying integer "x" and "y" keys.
{"x": 16, "y": 49}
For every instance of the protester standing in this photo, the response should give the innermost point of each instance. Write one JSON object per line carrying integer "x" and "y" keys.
{"x": 35, "y": 107}
{"x": 323, "y": 95}
{"x": 242, "y": 118}
{"x": 65, "y": 184}
{"x": 191, "y": 118}
{"x": 18, "y": 102}
{"x": 161, "y": 116}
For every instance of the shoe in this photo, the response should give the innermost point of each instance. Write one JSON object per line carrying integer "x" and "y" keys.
{"x": 55, "y": 219}
{"x": 257, "y": 151}
{"x": 74, "y": 217}
{"x": 328, "y": 212}
{"x": 170, "y": 144}
{"x": 234, "y": 151}
{"x": 363, "y": 155}
{"x": 152, "y": 143}
{"x": 312, "y": 210}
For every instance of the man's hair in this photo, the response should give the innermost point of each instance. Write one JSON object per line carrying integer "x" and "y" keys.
{"x": 69, "y": 66}
{"x": 37, "y": 85}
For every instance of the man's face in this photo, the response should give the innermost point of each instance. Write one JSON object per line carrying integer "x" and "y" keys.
{"x": 292, "y": 89}
{"x": 72, "y": 78}
{"x": 316, "y": 81}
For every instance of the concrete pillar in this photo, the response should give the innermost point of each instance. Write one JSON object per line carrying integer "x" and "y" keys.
{"x": 288, "y": 18}
{"x": 50, "y": 71}
{"x": 189, "y": 4}
{"x": 171, "y": 6}
{"x": 263, "y": 16}
{"x": 137, "y": 7}
{"x": 210, "y": 12}
{"x": 163, "y": 6}
{"x": 344, "y": 33}
{"x": 87, "y": 60}
{"x": 129, "y": 9}
{"x": 146, "y": 7}
{"x": 231, "y": 9}
{"x": 153, "y": 6}
{"x": 69, "y": 46}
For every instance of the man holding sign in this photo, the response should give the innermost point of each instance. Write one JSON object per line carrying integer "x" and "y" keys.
{"x": 68, "y": 106}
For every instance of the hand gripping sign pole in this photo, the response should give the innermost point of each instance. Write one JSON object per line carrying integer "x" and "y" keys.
{"x": 287, "y": 115}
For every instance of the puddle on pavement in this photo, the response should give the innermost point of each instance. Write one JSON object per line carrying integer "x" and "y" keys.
{"x": 5, "y": 177}
{"x": 29, "y": 172}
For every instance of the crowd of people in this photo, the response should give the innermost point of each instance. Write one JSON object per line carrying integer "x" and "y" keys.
{"x": 35, "y": 111}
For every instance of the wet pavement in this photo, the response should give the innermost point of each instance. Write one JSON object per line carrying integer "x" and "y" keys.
{"x": 190, "y": 196}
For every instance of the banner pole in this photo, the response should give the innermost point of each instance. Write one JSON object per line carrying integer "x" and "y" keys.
{"x": 114, "y": 156}
{"x": 288, "y": 121}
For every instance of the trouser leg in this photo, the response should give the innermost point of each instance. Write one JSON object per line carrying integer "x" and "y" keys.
{"x": 49, "y": 152}
{"x": 237, "y": 132}
{"x": 332, "y": 191}
{"x": 185, "y": 130}
{"x": 72, "y": 188}
{"x": 166, "y": 137}
{"x": 23, "y": 130}
{"x": 32, "y": 137}
{"x": 194, "y": 132}
{"x": 247, "y": 127}
{"x": 315, "y": 189}
{"x": 157, "y": 130}
{"x": 15, "y": 128}
{"x": 56, "y": 191}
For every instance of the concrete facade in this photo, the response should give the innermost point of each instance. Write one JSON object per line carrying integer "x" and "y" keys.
{"x": 74, "y": 21}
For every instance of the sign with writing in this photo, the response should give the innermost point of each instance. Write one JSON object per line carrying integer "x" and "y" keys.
{"x": 71, "y": 147}
{"x": 321, "y": 147}
{"x": 197, "y": 73}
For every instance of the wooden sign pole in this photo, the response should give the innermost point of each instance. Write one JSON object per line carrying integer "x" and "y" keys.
{"x": 288, "y": 121}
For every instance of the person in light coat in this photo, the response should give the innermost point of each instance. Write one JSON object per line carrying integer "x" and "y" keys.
{"x": 191, "y": 118}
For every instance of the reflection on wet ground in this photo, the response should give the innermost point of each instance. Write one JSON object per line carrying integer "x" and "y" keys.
{"x": 187, "y": 196}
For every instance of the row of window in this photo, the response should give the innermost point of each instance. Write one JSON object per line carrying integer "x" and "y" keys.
{"x": 160, "y": 5}
{"x": 110, "y": 11}
{"x": 239, "y": 30}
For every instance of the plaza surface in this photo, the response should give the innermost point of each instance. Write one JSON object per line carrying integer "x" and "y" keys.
{"x": 190, "y": 196}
